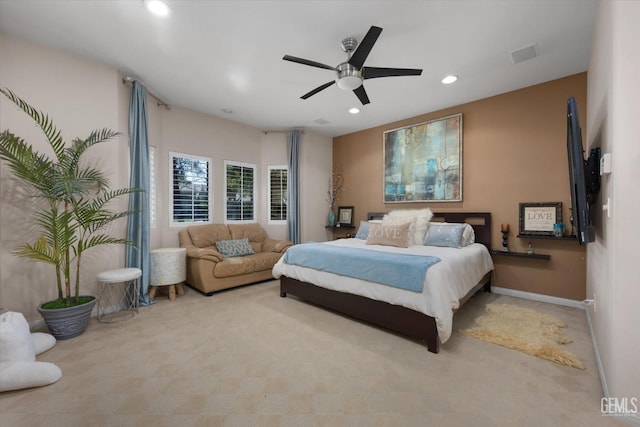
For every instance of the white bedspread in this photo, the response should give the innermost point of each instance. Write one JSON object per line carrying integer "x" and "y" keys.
{"x": 445, "y": 283}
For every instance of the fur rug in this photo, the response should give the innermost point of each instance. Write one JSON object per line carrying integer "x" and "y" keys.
{"x": 525, "y": 330}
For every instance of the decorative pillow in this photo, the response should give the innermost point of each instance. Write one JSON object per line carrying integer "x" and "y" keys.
{"x": 420, "y": 222}
{"x": 445, "y": 234}
{"x": 389, "y": 235}
{"x": 233, "y": 248}
{"x": 468, "y": 236}
{"x": 363, "y": 230}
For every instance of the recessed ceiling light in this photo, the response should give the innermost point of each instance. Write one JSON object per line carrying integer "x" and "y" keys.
{"x": 354, "y": 110}
{"x": 157, "y": 7}
{"x": 449, "y": 79}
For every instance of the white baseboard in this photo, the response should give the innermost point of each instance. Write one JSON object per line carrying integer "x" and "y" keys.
{"x": 632, "y": 420}
{"x": 538, "y": 297}
{"x": 603, "y": 378}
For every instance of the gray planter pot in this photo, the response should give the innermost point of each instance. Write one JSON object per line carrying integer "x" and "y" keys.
{"x": 65, "y": 323}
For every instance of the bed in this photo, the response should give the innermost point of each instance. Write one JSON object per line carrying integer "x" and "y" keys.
{"x": 426, "y": 316}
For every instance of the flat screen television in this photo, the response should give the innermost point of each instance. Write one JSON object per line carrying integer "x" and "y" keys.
{"x": 584, "y": 177}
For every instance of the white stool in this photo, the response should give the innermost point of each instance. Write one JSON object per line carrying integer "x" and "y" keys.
{"x": 118, "y": 303}
{"x": 168, "y": 268}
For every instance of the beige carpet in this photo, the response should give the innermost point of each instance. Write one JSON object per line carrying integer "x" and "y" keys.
{"x": 525, "y": 330}
{"x": 247, "y": 357}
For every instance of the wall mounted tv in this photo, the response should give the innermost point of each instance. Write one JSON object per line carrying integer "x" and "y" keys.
{"x": 584, "y": 177}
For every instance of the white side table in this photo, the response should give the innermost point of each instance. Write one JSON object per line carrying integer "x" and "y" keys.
{"x": 168, "y": 268}
{"x": 118, "y": 294}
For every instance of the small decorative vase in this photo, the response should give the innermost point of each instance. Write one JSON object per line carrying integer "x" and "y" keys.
{"x": 331, "y": 219}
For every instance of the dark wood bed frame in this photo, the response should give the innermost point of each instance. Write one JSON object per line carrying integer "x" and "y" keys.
{"x": 405, "y": 321}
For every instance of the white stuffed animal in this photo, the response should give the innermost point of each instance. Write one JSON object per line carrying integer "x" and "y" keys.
{"x": 18, "y": 349}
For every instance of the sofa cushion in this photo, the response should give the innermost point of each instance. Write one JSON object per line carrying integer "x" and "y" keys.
{"x": 208, "y": 234}
{"x": 253, "y": 232}
{"x": 234, "y": 248}
{"x": 246, "y": 264}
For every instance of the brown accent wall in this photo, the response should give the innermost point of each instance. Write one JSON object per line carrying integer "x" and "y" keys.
{"x": 514, "y": 150}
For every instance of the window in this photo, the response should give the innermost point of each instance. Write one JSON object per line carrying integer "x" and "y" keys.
{"x": 152, "y": 186}
{"x": 190, "y": 184}
{"x": 277, "y": 194}
{"x": 240, "y": 192}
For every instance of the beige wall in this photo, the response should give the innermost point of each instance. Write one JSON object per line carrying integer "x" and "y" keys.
{"x": 82, "y": 95}
{"x": 188, "y": 132}
{"x": 612, "y": 270}
{"x": 514, "y": 150}
{"x": 79, "y": 96}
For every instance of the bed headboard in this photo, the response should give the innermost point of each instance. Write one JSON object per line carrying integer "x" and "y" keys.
{"x": 480, "y": 221}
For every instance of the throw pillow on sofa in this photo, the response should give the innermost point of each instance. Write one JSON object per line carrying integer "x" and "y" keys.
{"x": 233, "y": 248}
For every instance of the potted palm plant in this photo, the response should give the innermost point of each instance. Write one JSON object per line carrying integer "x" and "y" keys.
{"x": 75, "y": 211}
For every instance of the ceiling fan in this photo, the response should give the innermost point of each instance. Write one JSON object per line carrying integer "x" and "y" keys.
{"x": 351, "y": 73}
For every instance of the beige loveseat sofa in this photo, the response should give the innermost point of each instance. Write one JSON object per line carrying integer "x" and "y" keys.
{"x": 209, "y": 271}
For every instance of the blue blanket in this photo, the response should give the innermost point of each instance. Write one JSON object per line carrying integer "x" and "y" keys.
{"x": 402, "y": 271}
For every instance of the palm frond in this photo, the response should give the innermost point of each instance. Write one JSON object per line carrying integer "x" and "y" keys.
{"x": 26, "y": 163}
{"x": 40, "y": 251}
{"x": 42, "y": 120}
{"x": 103, "y": 239}
{"x": 57, "y": 228}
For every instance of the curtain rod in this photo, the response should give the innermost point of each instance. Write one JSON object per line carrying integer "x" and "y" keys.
{"x": 266, "y": 132}
{"x": 127, "y": 81}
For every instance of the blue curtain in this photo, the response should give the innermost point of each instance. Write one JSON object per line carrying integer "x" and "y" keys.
{"x": 139, "y": 222}
{"x": 293, "y": 185}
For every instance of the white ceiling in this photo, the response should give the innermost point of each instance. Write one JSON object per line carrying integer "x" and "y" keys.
{"x": 213, "y": 55}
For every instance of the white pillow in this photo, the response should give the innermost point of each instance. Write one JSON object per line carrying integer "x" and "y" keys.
{"x": 468, "y": 236}
{"x": 419, "y": 219}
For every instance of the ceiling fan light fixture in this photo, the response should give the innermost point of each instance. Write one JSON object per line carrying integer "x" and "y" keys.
{"x": 348, "y": 77}
{"x": 157, "y": 7}
{"x": 349, "y": 82}
{"x": 449, "y": 79}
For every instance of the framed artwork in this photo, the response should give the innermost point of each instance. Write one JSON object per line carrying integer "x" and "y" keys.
{"x": 538, "y": 219}
{"x": 345, "y": 215}
{"x": 423, "y": 162}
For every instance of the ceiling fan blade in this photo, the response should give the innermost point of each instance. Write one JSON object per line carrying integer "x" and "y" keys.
{"x": 308, "y": 62}
{"x": 318, "y": 89}
{"x": 361, "y": 94}
{"x": 375, "y": 72}
{"x": 365, "y": 46}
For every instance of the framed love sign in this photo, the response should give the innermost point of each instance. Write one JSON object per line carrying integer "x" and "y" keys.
{"x": 538, "y": 219}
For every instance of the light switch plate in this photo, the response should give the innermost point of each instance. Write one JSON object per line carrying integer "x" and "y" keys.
{"x": 605, "y": 164}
